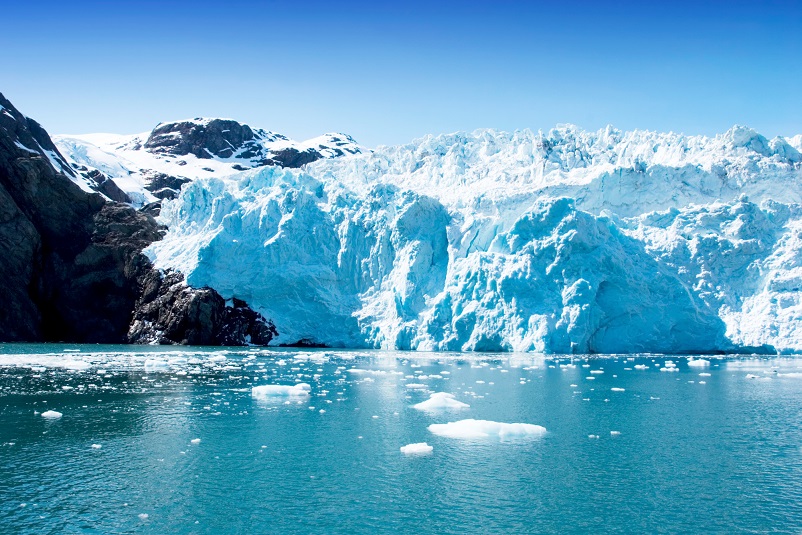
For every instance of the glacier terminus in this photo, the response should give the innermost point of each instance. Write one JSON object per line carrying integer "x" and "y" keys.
{"x": 561, "y": 242}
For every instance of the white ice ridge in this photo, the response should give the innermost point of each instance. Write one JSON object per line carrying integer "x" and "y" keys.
{"x": 440, "y": 401}
{"x": 263, "y": 392}
{"x": 478, "y": 429}
{"x": 419, "y": 448}
{"x": 566, "y": 242}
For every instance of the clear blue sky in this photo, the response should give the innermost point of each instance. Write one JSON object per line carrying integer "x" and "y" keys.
{"x": 389, "y": 73}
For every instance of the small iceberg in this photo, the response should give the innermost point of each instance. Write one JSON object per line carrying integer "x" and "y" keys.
{"x": 477, "y": 429}
{"x": 280, "y": 391}
{"x": 440, "y": 401}
{"x": 419, "y": 448}
{"x": 52, "y": 415}
{"x": 698, "y": 363}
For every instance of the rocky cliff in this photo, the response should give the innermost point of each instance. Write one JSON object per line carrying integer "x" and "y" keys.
{"x": 71, "y": 262}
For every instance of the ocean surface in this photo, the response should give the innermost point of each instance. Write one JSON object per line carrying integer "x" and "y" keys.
{"x": 175, "y": 440}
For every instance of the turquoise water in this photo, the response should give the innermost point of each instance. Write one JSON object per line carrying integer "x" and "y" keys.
{"x": 695, "y": 453}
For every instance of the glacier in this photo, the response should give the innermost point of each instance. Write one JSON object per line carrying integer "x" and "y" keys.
{"x": 564, "y": 242}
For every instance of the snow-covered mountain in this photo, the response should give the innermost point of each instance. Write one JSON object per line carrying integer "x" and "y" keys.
{"x": 569, "y": 241}
{"x": 154, "y": 165}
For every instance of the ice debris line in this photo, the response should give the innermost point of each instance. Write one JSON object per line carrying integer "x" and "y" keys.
{"x": 565, "y": 242}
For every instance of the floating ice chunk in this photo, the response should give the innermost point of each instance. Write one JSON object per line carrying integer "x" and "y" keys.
{"x": 597, "y": 372}
{"x": 416, "y": 386}
{"x": 77, "y": 365}
{"x": 280, "y": 391}
{"x": 440, "y": 401}
{"x": 52, "y": 415}
{"x": 195, "y": 441}
{"x": 615, "y": 433}
{"x": 96, "y": 446}
{"x": 152, "y": 365}
{"x": 698, "y": 363}
{"x": 704, "y": 374}
{"x": 419, "y": 448}
{"x": 617, "y": 389}
{"x": 143, "y": 516}
{"x": 593, "y": 436}
{"x": 471, "y": 429}
{"x": 641, "y": 367}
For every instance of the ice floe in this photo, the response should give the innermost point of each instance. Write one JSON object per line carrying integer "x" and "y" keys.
{"x": 478, "y": 429}
{"x": 281, "y": 391}
{"x": 440, "y": 401}
{"x": 419, "y": 448}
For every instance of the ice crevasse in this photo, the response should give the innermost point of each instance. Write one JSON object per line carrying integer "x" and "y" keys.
{"x": 566, "y": 242}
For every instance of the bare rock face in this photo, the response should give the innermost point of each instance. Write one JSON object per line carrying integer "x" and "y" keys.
{"x": 162, "y": 185}
{"x": 71, "y": 263}
{"x": 170, "y": 312}
{"x": 45, "y": 221}
{"x": 225, "y": 138}
{"x": 203, "y": 138}
{"x": 102, "y": 184}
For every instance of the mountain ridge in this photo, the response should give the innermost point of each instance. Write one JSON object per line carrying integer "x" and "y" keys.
{"x": 153, "y": 165}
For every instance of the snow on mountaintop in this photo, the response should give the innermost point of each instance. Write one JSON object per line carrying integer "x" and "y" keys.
{"x": 570, "y": 241}
{"x": 154, "y": 165}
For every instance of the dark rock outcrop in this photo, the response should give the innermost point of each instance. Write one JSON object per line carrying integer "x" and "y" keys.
{"x": 225, "y": 138}
{"x": 163, "y": 186}
{"x": 169, "y": 312}
{"x": 102, "y": 184}
{"x": 205, "y": 139}
{"x": 71, "y": 263}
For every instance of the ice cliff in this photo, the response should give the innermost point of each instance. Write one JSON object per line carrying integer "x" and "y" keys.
{"x": 569, "y": 241}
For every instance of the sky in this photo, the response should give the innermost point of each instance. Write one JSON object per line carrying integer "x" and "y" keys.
{"x": 389, "y": 73}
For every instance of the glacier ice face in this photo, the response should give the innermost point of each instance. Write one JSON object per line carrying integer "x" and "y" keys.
{"x": 570, "y": 242}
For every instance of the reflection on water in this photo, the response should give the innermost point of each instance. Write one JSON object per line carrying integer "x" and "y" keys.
{"x": 633, "y": 444}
